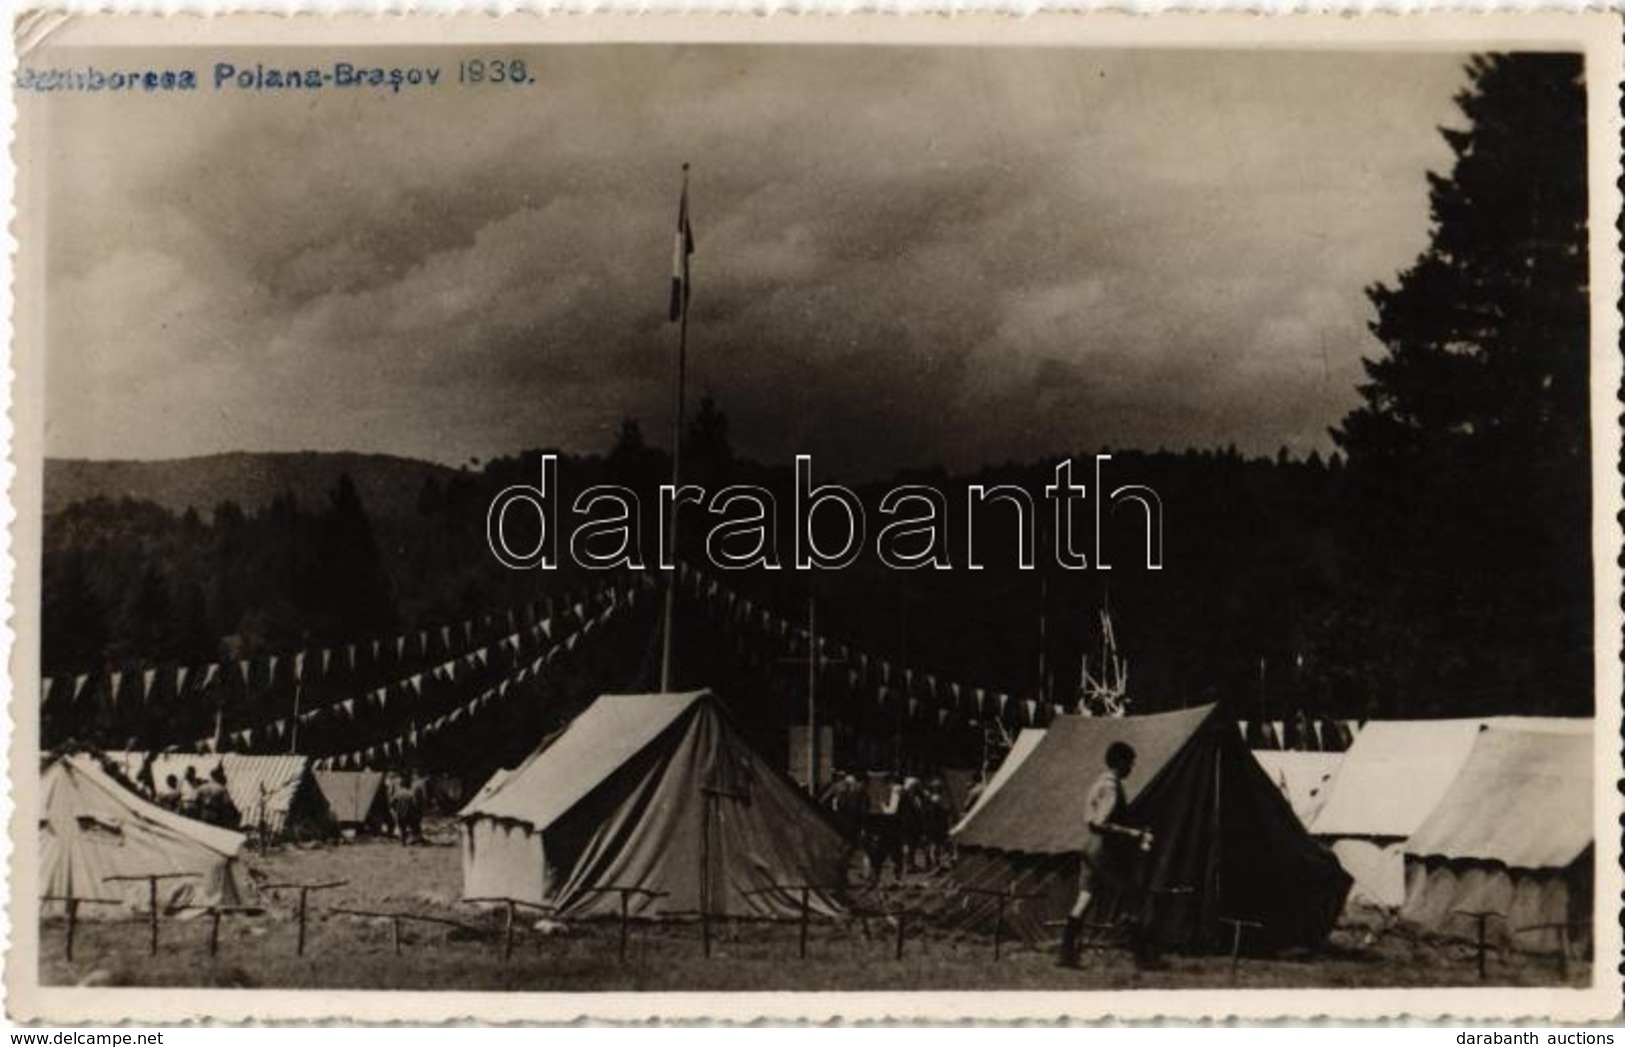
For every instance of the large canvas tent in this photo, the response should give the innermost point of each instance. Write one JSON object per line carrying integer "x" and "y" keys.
{"x": 1020, "y": 749}
{"x": 1512, "y": 836}
{"x": 1388, "y": 783}
{"x": 92, "y": 827}
{"x": 1227, "y": 842}
{"x": 658, "y": 792}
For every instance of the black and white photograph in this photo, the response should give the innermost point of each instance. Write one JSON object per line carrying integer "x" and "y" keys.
{"x": 730, "y": 514}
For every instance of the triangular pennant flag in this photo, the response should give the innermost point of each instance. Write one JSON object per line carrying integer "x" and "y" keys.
{"x": 210, "y": 672}
{"x": 113, "y": 681}
{"x": 248, "y": 737}
{"x": 415, "y": 682}
{"x": 243, "y": 670}
{"x": 546, "y": 627}
{"x": 327, "y": 659}
{"x": 299, "y": 666}
{"x": 942, "y": 716}
{"x": 445, "y": 636}
{"x": 400, "y": 646}
{"x": 1032, "y": 710}
{"x": 348, "y": 705}
{"x": 1003, "y": 700}
{"x": 468, "y": 630}
{"x": 45, "y": 690}
{"x": 913, "y": 704}
{"x": 147, "y": 677}
{"x": 423, "y": 642}
{"x": 270, "y": 671}
{"x": 79, "y": 685}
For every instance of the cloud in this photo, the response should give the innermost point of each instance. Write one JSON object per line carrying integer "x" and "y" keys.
{"x": 905, "y": 257}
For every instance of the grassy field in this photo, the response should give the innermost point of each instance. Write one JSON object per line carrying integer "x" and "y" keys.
{"x": 353, "y": 952}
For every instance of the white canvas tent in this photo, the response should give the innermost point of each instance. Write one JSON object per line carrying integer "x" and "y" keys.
{"x": 1304, "y": 778}
{"x": 657, "y": 792}
{"x": 91, "y": 827}
{"x": 1386, "y": 786}
{"x": 1020, "y": 749}
{"x": 1512, "y": 836}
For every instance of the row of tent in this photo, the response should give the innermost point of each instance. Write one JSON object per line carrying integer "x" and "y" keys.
{"x": 271, "y": 793}
{"x": 1434, "y": 821}
{"x": 659, "y": 800}
{"x": 93, "y": 826}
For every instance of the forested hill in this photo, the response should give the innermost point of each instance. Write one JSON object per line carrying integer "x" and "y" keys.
{"x": 390, "y": 486}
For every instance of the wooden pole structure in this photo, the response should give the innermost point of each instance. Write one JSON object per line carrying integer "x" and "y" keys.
{"x": 72, "y": 902}
{"x": 666, "y": 644}
{"x": 152, "y": 909}
{"x": 73, "y": 925}
{"x": 214, "y": 931}
{"x": 998, "y": 926}
{"x": 814, "y": 661}
{"x": 304, "y": 896}
{"x": 705, "y": 874}
{"x": 708, "y": 815}
{"x": 152, "y": 900}
{"x": 812, "y": 696}
{"x": 806, "y": 894}
{"x": 293, "y": 721}
{"x": 1237, "y": 927}
{"x": 624, "y": 900}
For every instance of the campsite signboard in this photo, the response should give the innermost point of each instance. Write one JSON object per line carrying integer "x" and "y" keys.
{"x": 1167, "y": 465}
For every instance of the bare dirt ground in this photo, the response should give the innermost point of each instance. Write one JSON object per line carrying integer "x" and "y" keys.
{"x": 350, "y": 952}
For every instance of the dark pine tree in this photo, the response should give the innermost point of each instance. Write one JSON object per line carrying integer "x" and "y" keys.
{"x": 354, "y": 589}
{"x": 73, "y": 622}
{"x": 1468, "y": 470}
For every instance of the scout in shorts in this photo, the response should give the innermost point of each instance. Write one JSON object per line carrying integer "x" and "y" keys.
{"x": 1109, "y": 857}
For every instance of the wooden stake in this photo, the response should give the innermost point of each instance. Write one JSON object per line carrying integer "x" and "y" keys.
{"x": 152, "y": 901}
{"x": 303, "y": 893}
{"x": 214, "y": 932}
{"x": 73, "y": 925}
{"x": 624, "y": 895}
{"x": 805, "y": 895}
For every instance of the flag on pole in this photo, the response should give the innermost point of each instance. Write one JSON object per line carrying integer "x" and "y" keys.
{"x": 683, "y": 247}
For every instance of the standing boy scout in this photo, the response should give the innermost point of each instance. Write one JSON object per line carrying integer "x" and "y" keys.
{"x": 1108, "y": 850}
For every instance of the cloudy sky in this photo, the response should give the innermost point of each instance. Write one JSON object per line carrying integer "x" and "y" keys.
{"x": 904, "y": 256}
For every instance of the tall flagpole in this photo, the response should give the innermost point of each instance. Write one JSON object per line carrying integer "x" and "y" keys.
{"x": 676, "y": 442}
